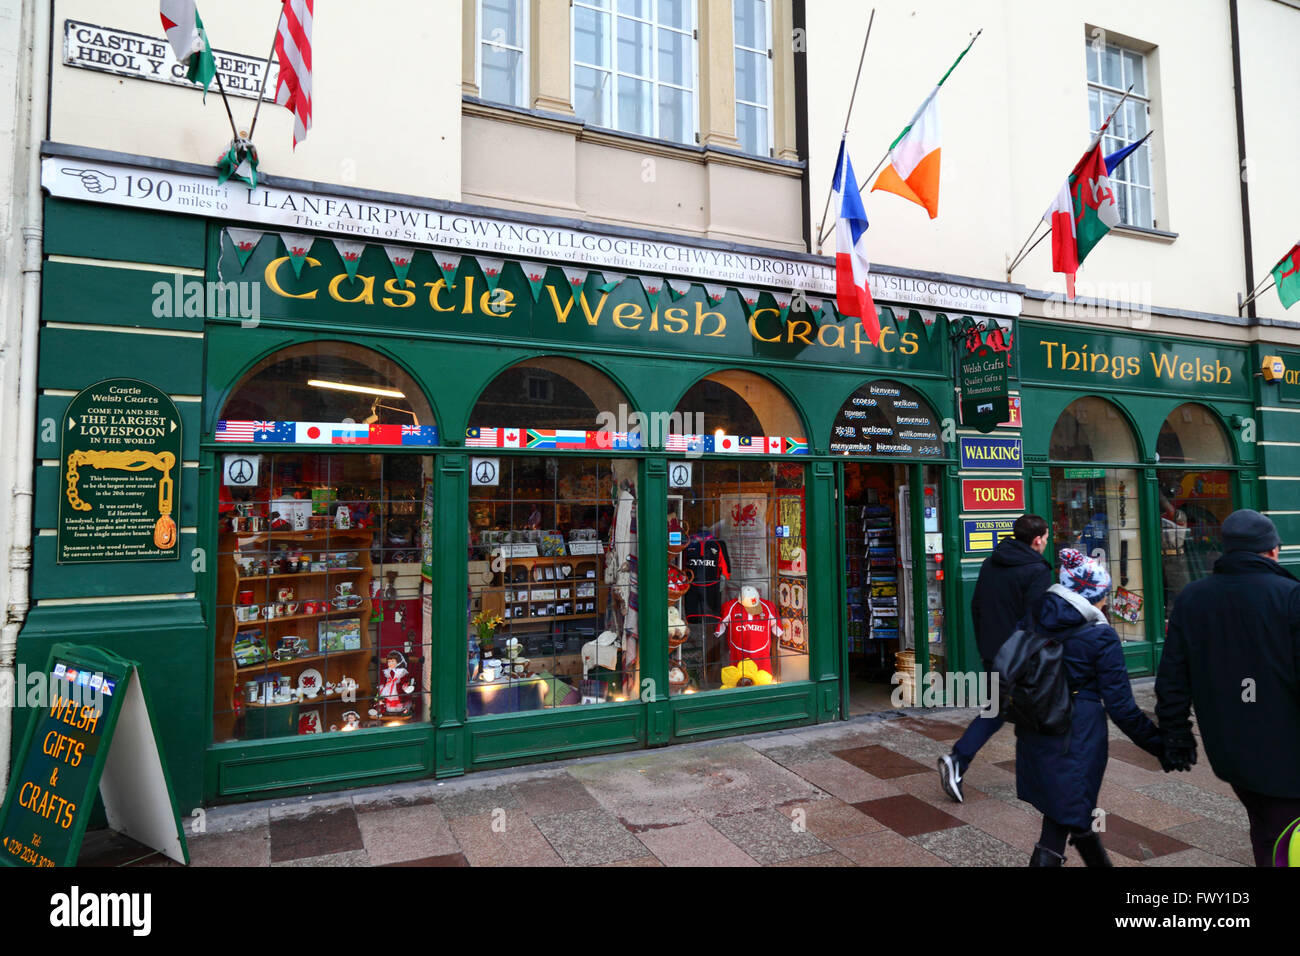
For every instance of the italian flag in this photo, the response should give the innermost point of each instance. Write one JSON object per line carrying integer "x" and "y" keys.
{"x": 913, "y": 170}
{"x": 1287, "y": 276}
{"x": 184, "y": 29}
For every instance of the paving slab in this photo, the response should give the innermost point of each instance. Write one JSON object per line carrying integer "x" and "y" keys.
{"x": 970, "y": 846}
{"x": 907, "y": 815}
{"x": 832, "y": 819}
{"x": 406, "y": 833}
{"x": 1216, "y": 838}
{"x": 844, "y": 781}
{"x": 887, "y": 848}
{"x": 503, "y": 838}
{"x": 1212, "y": 806}
{"x": 768, "y": 836}
{"x": 879, "y": 761}
{"x": 321, "y": 831}
{"x": 589, "y": 837}
{"x": 694, "y": 844}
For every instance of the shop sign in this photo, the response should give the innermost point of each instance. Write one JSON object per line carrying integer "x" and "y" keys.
{"x": 121, "y": 468}
{"x": 142, "y": 57}
{"x": 1013, "y": 416}
{"x": 980, "y": 535}
{"x": 983, "y": 370}
{"x": 1083, "y": 473}
{"x": 940, "y": 294}
{"x": 1006, "y": 453}
{"x": 886, "y": 420}
{"x": 90, "y": 696}
{"x": 1058, "y": 355}
{"x": 992, "y": 494}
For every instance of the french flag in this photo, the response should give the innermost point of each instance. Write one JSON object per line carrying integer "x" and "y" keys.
{"x": 852, "y": 265}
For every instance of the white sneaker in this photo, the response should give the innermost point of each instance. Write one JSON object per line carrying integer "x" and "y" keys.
{"x": 950, "y": 777}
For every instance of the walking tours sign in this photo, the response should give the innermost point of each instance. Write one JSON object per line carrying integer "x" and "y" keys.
{"x": 121, "y": 462}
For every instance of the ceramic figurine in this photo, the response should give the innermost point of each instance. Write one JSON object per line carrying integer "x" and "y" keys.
{"x": 393, "y": 698}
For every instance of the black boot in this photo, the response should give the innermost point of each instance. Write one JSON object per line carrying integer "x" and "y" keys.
{"x": 1090, "y": 848}
{"x": 1044, "y": 857}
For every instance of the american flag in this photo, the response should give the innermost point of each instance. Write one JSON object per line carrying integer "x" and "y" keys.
{"x": 235, "y": 431}
{"x": 293, "y": 50}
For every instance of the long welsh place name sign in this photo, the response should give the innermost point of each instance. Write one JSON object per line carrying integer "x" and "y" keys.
{"x": 399, "y": 223}
{"x": 143, "y": 57}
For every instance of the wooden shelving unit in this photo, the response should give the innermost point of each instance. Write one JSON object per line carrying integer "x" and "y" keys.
{"x": 505, "y": 592}
{"x": 235, "y": 717}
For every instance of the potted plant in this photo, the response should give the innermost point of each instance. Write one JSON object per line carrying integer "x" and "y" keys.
{"x": 485, "y": 624}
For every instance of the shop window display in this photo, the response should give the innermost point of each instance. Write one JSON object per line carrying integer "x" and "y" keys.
{"x": 1096, "y": 509}
{"x": 323, "y": 567}
{"x": 738, "y": 576}
{"x": 1193, "y": 500}
{"x": 552, "y": 584}
{"x": 322, "y": 589}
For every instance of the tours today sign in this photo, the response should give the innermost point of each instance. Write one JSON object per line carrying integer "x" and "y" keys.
{"x": 121, "y": 465}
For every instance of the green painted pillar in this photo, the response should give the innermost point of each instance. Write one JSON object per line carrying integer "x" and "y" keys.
{"x": 450, "y": 625}
{"x": 828, "y": 658}
{"x": 652, "y": 601}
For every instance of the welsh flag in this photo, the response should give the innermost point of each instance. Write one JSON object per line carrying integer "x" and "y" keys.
{"x": 1287, "y": 276}
{"x": 1083, "y": 211}
{"x": 184, "y": 29}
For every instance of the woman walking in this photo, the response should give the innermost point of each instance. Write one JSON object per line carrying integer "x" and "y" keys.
{"x": 1061, "y": 775}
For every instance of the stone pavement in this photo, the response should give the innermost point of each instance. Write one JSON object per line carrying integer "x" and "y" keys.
{"x": 863, "y": 792}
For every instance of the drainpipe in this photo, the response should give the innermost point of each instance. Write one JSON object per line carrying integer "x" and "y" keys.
{"x": 19, "y": 560}
{"x": 1241, "y": 160}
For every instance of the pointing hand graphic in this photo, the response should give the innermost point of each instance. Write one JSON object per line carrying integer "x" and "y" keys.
{"x": 93, "y": 179}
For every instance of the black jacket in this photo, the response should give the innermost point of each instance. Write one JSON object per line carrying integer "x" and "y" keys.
{"x": 1011, "y": 578}
{"x": 1232, "y": 652}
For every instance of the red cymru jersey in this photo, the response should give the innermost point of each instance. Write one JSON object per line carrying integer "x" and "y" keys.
{"x": 750, "y": 635}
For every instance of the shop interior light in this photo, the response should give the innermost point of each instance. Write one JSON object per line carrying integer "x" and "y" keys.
{"x": 363, "y": 389}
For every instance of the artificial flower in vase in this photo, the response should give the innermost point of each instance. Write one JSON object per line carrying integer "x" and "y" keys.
{"x": 485, "y": 625}
{"x": 745, "y": 674}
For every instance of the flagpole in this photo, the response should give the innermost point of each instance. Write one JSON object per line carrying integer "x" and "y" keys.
{"x": 847, "y": 116}
{"x": 231, "y": 116}
{"x": 1091, "y": 146}
{"x": 862, "y": 186}
{"x": 1025, "y": 252}
{"x": 1254, "y": 295}
{"x": 266, "y": 72}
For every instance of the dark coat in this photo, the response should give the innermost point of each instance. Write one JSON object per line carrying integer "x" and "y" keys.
{"x": 1240, "y": 623}
{"x": 1061, "y": 776}
{"x": 1012, "y": 578}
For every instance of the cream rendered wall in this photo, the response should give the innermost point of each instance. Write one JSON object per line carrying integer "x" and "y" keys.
{"x": 1270, "y": 77}
{"x": 386, "y": 100}
{"x": 1015, "y": 121}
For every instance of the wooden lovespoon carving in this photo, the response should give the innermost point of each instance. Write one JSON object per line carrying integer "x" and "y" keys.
{"x": 164, "y": 529}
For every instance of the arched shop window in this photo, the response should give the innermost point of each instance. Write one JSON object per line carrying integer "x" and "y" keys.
{"x": 1195, "y": 496}
{"x": 325, "y": 555}
{"x": 736, "y": 403}
{"x": 1095, "y": 508}
{"x": 553, "y": 544}
{"x": 547, "y": 393}
{"x": 737, "y": 564}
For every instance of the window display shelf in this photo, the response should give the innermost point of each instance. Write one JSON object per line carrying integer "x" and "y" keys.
{"x": 362, "y": 609}
{"x": 272, "y": 664}
{"x": 294, "y": 574}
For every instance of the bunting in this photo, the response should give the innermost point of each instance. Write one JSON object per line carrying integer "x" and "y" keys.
{"x": 297, "y": 246}
{"x": 400, "y": 258}
{"x": 449, "y": 264}
{"x": 350, "y": 253}
{"x": 245, "y": 242}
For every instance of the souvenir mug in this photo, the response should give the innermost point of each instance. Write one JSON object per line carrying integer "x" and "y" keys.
{"x": 343, "y": 589}
{"x": 268, "y": 611}
{"x": 279, "y": 610}
{"x": 292, "y": 608}
{"x": 284, "y": 595}
{"x": 245, "y": 597}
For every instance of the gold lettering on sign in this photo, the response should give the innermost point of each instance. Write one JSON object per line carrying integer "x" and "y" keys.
{"x": 366, "y": 295}
{"x": 391, "y": 286}
{"x": 270, "y": 279}
{"x": 753, "y": 325}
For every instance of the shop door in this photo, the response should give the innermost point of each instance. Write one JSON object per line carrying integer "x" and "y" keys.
{"x": 893, "y": 605}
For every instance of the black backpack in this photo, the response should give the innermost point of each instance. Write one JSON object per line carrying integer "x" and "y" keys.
{"x": 1033, "y": 684}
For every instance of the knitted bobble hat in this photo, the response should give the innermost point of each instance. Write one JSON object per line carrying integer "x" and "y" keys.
{"x": 1083, "y": 575}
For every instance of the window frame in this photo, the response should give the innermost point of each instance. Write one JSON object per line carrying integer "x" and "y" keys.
{"x": 769, "y": 106}
{"x": 1094, "y": 51}
{"x": 611, "y": 10}
{"x": 525, "y": 64}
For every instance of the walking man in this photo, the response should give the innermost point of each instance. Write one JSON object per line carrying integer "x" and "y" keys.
{"x": 1232, "y": 652}
{"x": 1012, "y": 578}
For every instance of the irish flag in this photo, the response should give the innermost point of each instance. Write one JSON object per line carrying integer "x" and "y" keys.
{"x": 184, "y": 29}
{"x": 913, "y": 170}
{"x": 1287, "y": 276}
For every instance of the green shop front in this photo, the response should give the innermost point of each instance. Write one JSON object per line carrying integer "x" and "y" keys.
{"x": 467, "y": 496}
{"x": 438, "y": 510}
{"x": 1137, "y": 447}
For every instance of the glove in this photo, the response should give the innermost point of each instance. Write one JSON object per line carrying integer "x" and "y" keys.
{"x": 1179, "y": 754}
